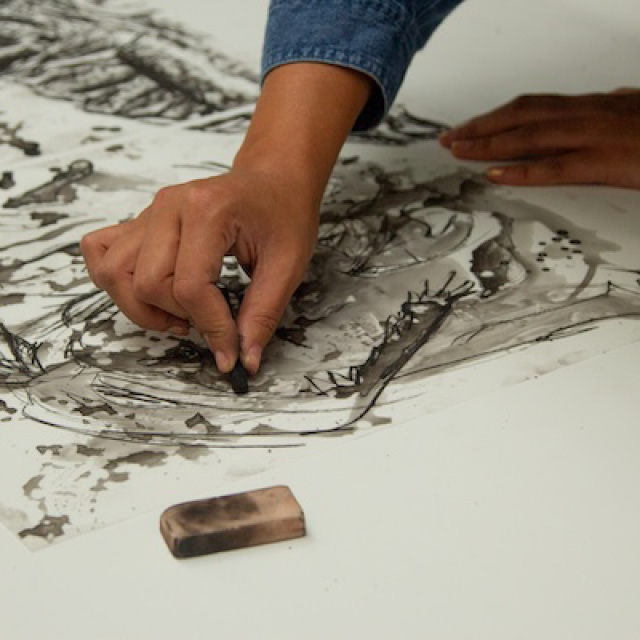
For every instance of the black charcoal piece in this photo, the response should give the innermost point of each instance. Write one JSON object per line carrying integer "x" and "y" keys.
{"x": 239, "y": 379}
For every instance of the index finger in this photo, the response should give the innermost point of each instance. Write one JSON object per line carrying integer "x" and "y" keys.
{"x": 198, "y": 264}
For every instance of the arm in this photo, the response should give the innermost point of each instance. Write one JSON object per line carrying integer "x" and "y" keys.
{"x": 329, "y": 66}
{"x": 377, "y": 38}
{"x": 161, "y": 268}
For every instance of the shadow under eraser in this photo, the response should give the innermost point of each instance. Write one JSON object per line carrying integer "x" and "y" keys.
{"x": 232, "y": 522}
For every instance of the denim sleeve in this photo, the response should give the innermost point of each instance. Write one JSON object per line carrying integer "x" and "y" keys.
{"x": 377, "y": 37}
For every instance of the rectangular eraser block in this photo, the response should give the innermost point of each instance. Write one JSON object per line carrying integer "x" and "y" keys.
{"x": 232, "y": 522}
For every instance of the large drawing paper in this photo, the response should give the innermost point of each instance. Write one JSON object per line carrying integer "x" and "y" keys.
{"x": 428, "y": 286}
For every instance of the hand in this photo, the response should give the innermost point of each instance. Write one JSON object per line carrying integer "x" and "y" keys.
{"x": 161, "y": 269}
{"x": 557, "y": 139}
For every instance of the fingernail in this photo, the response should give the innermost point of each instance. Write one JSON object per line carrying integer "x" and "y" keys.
{"x": 495, "y": 172}
{"x": 251, "y": 358}
{"x": 224, "y": 361}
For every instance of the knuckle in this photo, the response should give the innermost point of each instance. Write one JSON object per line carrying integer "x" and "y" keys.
{"x": 529, "y": 103}
{"x": 206, "y": 197}
{"x": 89, "y": 243}
{"x": 162, "y": 195}
{"x": 187, "y": 292}
{"x": 209, "y": 204}
{"x": 520, "y": 103}
{"x": 197, "y": 197}
{"x": 146, "y": 288}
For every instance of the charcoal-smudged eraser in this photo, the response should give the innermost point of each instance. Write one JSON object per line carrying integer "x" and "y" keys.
{"x": 232, "y": 522}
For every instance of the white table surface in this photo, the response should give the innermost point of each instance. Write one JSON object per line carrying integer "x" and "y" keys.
{"x": 515, "y": 515}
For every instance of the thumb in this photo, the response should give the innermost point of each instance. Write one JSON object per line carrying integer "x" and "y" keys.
{"x": 264, "y": 303}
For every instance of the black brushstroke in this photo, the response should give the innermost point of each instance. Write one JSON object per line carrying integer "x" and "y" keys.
{"x": 59, "y": 187}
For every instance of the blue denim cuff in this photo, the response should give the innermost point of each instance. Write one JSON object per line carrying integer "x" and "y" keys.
{"x": 376, "y": 37}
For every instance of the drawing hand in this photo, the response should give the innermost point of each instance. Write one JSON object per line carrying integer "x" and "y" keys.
{"x": 558, "y": 139}
{"x": 161, "y": 269}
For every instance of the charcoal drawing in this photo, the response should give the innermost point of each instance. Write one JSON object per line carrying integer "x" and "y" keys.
{"x": 408, "y": 277}
{"x": 417, "y": 273}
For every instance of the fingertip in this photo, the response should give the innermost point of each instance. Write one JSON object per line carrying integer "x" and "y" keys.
{"x": 446, "y": 138}
{"x": 224, "y": 361}
{"x": 226, "y": 355}
{"x": 251, "y": 358}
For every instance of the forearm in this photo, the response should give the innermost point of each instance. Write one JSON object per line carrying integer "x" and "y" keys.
{"x": 303, "y": 116}
{"x": 378, "y": 39}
